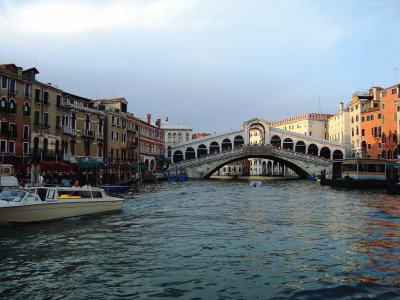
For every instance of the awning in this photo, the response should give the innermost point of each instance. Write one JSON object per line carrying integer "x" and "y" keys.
{"x": 56, "y": 166}
{"x": 90, "y": 163}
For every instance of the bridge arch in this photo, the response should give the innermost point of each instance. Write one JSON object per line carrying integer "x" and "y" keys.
{"x": 190, "y": 153}
{"x": 214, "y": 148}
{"x": 300, "y": 147}
{"x": 325, "y": 153}
{"x": 276, "y": 141}
{"x": 201, "y": 150}
{"x": 177, "y": 157}
{"x": 238, "y": 141}
{"x": 337, "y": 154}
{"x": 312, "y": 149}
{"x": 226, "y": 145}
{"x": 288, "y": 144}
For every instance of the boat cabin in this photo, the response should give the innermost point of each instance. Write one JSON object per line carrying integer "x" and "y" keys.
{"x": 358, "y": 168}
{"x": 67, "y": 193}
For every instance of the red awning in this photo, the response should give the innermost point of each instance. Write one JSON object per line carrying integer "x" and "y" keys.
{"x": 56, "y": 166}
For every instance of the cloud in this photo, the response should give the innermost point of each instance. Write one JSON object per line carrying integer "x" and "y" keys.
{"x": 75, "y": 16}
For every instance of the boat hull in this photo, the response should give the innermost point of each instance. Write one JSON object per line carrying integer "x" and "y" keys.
{"x": 115, "y": 188}
{"x": 57, "y": 210}
{"x": 355, "y": 183}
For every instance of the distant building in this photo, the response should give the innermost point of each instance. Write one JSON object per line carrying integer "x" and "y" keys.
{"x": 339, "y": 127}
{"x": 312, "y": 124}
{"x": 174, "y": 134}
{"x": 151, "y": 143}
{"x": 199, "y": 135}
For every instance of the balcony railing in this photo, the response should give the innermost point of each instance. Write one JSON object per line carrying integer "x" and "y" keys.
{"x": 67, "y": 130}
{"x": 88, "y": 133}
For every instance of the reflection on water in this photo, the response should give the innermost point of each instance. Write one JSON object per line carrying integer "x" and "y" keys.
{"x": 213, "y": 239}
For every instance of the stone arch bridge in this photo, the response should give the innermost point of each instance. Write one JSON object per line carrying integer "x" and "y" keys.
{"x": 304, "y": 154}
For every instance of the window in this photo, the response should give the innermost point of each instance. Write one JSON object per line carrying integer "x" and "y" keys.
{"x": 37, "y": 95}
{"x": 27, "y": 110}
{"x": 384, "y": 94}
{"x": 112, "y": 120}
{"x": 46, "y": 97}
{"x": 26, "y": 148}
{"x": 13, "y": 130}
{"x": 27, "y": 90}
{"x": 58, "y": 122}
{"x": 3, "y": 146}
{"x": 36, "y": 118}
{"x": 58, "y": 101}
{"x": 46, "y": 120}
{"x": 3, "y": 104}
{"x": 13, "y": 107}
{"x": 394, "y": 91}
{"x": 362, "y": 132}
{"x": 11, "y": 147}
{"x": 13, "y": 86}
{"x": 3, "y": 82}
{"x": 26, "y": 132}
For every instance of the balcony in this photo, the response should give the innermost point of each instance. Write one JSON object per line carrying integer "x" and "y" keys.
{"x": 100, "y": 136}
{"x": 67, "y": 130}
{"x": 88, "y": 133}
{"x": 132, "y": 144}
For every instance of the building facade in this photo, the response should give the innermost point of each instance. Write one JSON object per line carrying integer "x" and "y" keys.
{"x": 339, "y": 127}
{"x": 174, "y": 134}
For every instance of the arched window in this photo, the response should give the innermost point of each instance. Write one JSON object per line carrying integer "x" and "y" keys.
{"x": 3, "y": 104}
{"x": 27, "y": 109}
{"x": 169, "y": 137}
{"x": 357, "y": 130}
{"x": 174, "y": 137}
{"x": 383, "y": 138}
{"x": 13, "y": 107}
{"x": 187, "y": 136}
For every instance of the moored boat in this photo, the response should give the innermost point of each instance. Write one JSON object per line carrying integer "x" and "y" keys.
{"x": 50, "y": 203}
{"x": 115, "y": 188}
{"x": 356, "y": 173}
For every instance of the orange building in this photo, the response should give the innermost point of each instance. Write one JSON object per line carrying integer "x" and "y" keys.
{"x": 371, "y": 133}
{"x": 389, "y": 96}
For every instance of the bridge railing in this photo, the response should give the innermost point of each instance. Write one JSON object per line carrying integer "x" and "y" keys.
{"x": 253, "y": 150}
{"x": 311, "y": 138}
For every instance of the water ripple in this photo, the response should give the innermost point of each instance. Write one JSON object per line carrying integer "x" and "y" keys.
{"x": 213, "y": 239}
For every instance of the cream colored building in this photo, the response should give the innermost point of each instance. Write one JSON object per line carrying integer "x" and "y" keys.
{"x": 312, "y": 124}
{"x": 339, "y": 127}
{"x": 174, "y": 134}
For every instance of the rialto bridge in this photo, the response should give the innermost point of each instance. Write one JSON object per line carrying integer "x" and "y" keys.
{"x": 304, "y": 154}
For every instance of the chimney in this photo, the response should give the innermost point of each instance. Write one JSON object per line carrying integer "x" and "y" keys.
{"x": 341, "y": 106}
{"x": 158, "y": 123}
{"x": 148, "y": 118}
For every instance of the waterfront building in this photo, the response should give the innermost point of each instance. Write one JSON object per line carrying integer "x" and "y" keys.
{"x": 389, "y": 121}
{"x": 133, "y": 132}
{"x": 371, "y": 133}
{"x": 151, "y": 145}
{"x": 339, "y": 127}
{"x": 312, "y": 124}
{"x": 115, "y": 128}
{"x": 82, "y": 129}
{"x": 360, "y": 102}
{"x": 15, "y": 114}
{"x": 174, "y": 134}
{"x": 46, "y": 108}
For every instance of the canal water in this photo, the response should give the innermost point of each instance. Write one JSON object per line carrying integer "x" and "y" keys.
{"x": 214, "y": 240}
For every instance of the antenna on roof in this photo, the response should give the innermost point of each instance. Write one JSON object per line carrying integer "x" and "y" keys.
{"x": 319, "y": 104}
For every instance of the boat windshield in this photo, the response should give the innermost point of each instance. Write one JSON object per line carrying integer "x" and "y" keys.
{"x": 14, "y": 196}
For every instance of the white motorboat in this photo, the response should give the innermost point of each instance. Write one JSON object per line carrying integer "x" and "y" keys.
{"x": 50, "y": 203}
{"x": 255, "y": 183}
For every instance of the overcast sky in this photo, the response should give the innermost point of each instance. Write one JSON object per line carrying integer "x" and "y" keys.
{"x": 208, "y": 64}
